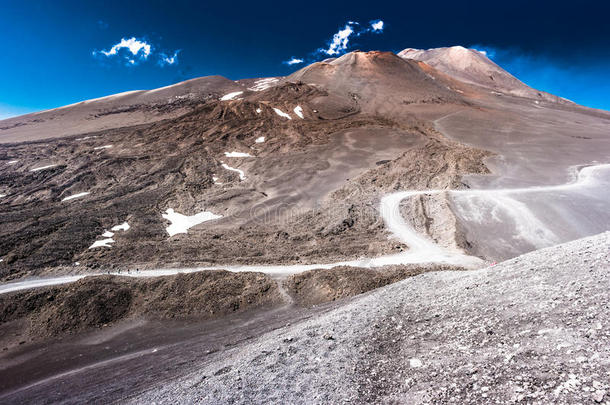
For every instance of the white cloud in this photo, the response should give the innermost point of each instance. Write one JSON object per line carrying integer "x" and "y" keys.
{"x": 294, "y": 61}
{"x": 164, "y": 59}
{"x": 340, "y": 40}
{"x": 133, "y": 51}
{"x": 484, "y": 50}
{"x": 338, "y": 45}
{"x": 137, "y": 48}
{"x": 377, "y": 26}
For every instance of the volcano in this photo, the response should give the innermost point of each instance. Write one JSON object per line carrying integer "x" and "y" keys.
{"x": 196, "y": 206}
{"x": 474, "y": 67}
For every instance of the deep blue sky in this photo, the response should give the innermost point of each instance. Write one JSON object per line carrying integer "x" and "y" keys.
{"x": 47, "y": 60}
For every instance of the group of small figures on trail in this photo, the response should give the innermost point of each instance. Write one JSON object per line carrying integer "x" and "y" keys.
{"x": 137, "y": 271}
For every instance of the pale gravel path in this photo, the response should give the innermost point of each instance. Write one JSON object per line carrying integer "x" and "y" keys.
{"x": 421, "y": 248}
{"x": 534, "y": 329}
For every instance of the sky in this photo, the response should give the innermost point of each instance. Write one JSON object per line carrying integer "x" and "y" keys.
{"x": 59, "y": 52}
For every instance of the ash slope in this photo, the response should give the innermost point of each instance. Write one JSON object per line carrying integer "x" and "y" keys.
{"x": 472, "y": 66}
{"x": 303, "y": 164}
{"x": 116, "y": 111}
{"x": 532, "y": 328}
{"x": 373, "y": 124}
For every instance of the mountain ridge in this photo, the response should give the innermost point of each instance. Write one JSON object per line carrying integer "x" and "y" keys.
{"x": 474, "y": 67}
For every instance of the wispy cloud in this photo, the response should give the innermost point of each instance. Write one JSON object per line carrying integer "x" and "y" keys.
{"x": 132, "y": 44}
{"x": 377, "y": 26}
{"x": 340, "y": 41}
{"x": 293, "y": 61}
{"x": 164, "y": 59}
{"x": 134, "y": 50}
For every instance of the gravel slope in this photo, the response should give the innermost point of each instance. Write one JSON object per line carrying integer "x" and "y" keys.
{"x": 532, "y": 329}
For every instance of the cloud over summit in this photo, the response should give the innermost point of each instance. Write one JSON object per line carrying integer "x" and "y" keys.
{"x": 340, "y": 41}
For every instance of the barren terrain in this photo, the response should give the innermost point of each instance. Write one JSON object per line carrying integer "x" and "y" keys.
{"x": 220, "y": 241}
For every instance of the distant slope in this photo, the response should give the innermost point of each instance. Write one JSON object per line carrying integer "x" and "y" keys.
{"x": 472, "y": 66}
{"x": 116, "y": 111}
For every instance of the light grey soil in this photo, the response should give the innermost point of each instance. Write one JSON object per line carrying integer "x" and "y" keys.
{"x": 534, "y": 329}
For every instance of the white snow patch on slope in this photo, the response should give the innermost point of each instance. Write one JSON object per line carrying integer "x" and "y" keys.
{"x": 231, "y": 96}
{"x": 260, "y": 139}
{"x": 2, "y": 195}
{"x": 12, "y": 162}
{"x": 103, "y": 147}
{"x": 102, "y": 243}
{"x": 263, "y": 84}
{"x": 72, "y": 197}
{"x": 215, "y": 180}
{"x": 42, "y": 168}
{"x": 122, "y": 227}
{"x": 237, "y": 154}
{"x": 299, "y": 111}
{"x": 242, "y": 175}
{"x": 108, "y": 236}
{"x": 282, "y": 113}
{"x": 181, "y": 223}
{"x": 258, "y": 110}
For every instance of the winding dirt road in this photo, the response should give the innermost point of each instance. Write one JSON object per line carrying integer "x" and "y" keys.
{"x": 422, "y": 249}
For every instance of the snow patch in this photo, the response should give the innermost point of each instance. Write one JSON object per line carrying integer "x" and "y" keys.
{"x": 242, "y": 175}
{"x": 282, "y": 113}
{"x": 122, "y": 227}
{"x": 79, "y": 195}
{"x": 102, "y": 243}
{"x": 2, "y": 195}
{"x": 260, "y": 139}
{"x": 12, "y": 162}
{"x": 263, "y": 84}
{"x": 231, "y": 96}
{"x": 181, "y": 223}
{"x": 258, "y": 110}
{"x": 237, "y": 154}
{"x": 42, "y": 168}
{"x": 215, "y": 180}
{"x": 103, "y": 147}
{"x": 299, "y": 111}
{"x": 108, "y": 236}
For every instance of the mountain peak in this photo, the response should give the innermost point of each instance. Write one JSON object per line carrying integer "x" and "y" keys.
{"x": 474, "y": 67}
